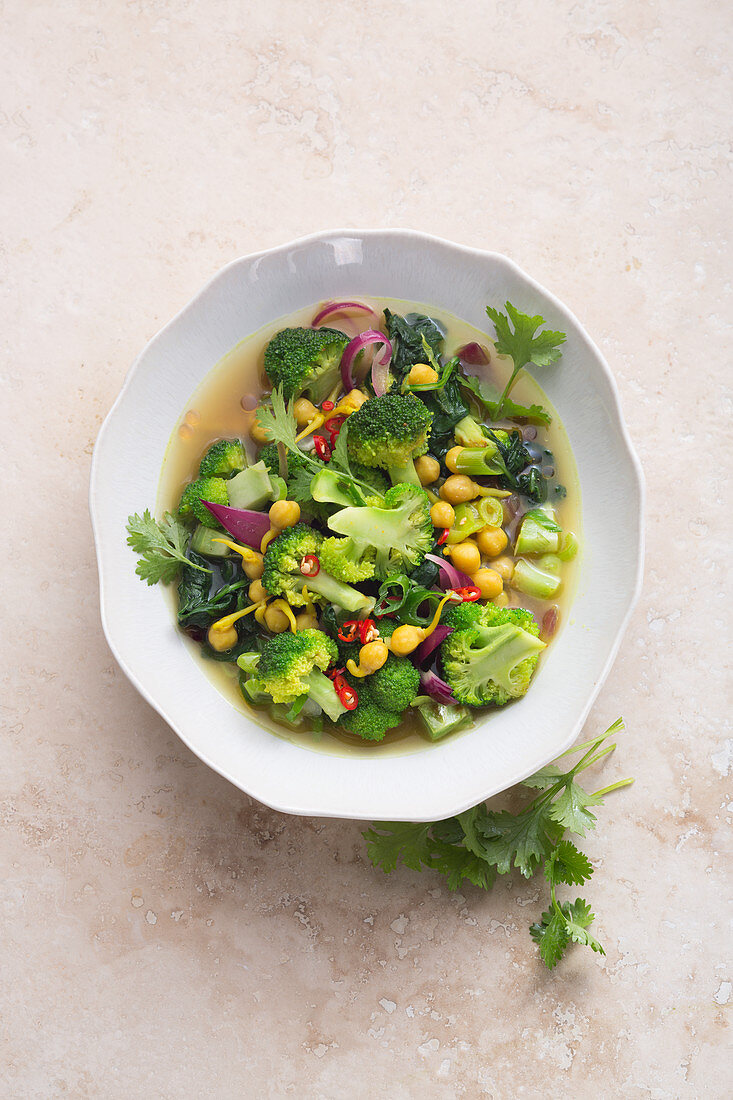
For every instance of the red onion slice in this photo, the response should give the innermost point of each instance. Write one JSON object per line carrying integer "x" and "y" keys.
{"x": 437, "y": 688}
{"x": 473, "y": 354}
{"x": 247, "y": 527}
{"x": 454, "y": 578}
{"x": 332, "y": 308}
{"x": 430, "y": 644}
{"x": 363, "y": 340}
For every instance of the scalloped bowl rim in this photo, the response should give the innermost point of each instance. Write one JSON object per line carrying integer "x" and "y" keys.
{"x": 446, "y": 778}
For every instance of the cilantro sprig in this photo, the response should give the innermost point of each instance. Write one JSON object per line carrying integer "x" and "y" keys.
{"x": 524, "y": 343}
{"x": 162, "y": 546}
{"x": 480, "y": 844}
{"x": 279, "y": 422}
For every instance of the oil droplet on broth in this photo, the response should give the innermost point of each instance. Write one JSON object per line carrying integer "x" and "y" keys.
{"x": 185, "y": 431}
{"x": 192, "y": 418}
{"x": 249, "y": 402}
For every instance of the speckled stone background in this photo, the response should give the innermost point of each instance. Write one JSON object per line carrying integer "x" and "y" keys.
{"x": 164, "y": 936}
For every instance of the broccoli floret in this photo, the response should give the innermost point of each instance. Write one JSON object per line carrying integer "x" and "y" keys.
{"x": 223, "y": 458}
{"x": 292, "y": 665}
{"x": 400, "y": 529}
{"x": 462, "y": 615}
{"x": 282, "y": 575}
{"x": 389, "y": 432}
{"x": 369, "y": 720}
{"x": 196, "y": 492}
{"x": 346, "y": 560}
{"x": 492, "y": 661}
{"x": 305, "y": 360}
{"x": 395, "y": 684}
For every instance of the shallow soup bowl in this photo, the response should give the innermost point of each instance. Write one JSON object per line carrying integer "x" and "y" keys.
{"x": 504, "y": 746}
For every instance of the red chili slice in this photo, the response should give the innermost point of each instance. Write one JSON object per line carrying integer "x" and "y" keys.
{"x": 348, "y": 697}
{"x": 368, "y": 631}
{"x": 467, "y": 594}
{"x": 322, "y": 448}
{"x": 349, "y": 631}
{"x": 333, "y": 673}
{"x": 444, "y": 536}
{"x": 310, "y": 565}
{"x": 328, "y": 406}
{"x": 334, "y": 424}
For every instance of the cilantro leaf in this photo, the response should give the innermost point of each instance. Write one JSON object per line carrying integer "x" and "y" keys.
{"x": 457, "y": 864}
{"x": 570, "y": 808}
{"x": 544, "y": 778}
{"x": 551, "y": 935}
{"x": 518, "y": 839}
{"x": 578, "y": 919}
{"x": 567, "y": 864}
{"x": 278, "y": 421}
{"x": 486, "y": 399}
{"x": 340, "y": 455}
{"x": 542, "y": 519}
{"x": 162, "y": 546}
{"x": 391, "y": 841}
{"x": 523, "y": 343}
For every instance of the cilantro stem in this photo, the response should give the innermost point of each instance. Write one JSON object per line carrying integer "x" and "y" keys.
{"x": 614, "y": 787}
{"x": 600, "y": 755}
{"x": 505, "y": 394}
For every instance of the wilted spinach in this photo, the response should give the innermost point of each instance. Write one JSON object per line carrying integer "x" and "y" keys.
{"x": 406, "y": 339}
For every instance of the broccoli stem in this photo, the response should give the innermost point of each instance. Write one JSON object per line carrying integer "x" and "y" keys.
{"x": 343, "y": 595}
{"x": 322, "y": 691}
{"x": 405, "y": 474}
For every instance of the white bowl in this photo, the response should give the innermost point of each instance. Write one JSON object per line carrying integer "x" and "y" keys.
{"x": 446, "y": 778}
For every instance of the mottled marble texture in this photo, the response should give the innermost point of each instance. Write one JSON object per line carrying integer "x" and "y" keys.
{"x": 163, "y": 936}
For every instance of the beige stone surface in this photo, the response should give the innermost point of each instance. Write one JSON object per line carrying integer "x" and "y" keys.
{"x": 163, "y": 935}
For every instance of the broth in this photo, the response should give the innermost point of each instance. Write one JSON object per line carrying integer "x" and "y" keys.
{"x": 224, "y": 406}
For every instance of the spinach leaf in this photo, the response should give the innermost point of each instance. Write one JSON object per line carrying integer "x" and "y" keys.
{"x": 406, "y": 338}
{"x": 448, "y": 407}
{"x": 202, "y": 601}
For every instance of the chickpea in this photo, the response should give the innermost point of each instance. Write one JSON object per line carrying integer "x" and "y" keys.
{"x": 371, "y": 658}
{"x": 304, "y": 411}
{"x": 503, "y": 566}
{"x": 428, "y": 469}
{"x": 254, "y": 568}
{"x": 489, "y": 583}
{"x": 222, "y": 640}
{"x": 465, "y": 556}
{"x": 502, "y": 600}
{"x": 284, "y": 513}
{"x": 457, "y": 489}
{"x": 491, "y": 541}
{"x": 256, "y": 592}
{"x": 442, "y": 514}
{"x": 307, "y": 620}
{"x": 450, "y": 458}
{"x": 422, "y": 374}
{"x": 259, "y": 435}
{"x": 276, "y": 620}
{"x": 405, "y": 639}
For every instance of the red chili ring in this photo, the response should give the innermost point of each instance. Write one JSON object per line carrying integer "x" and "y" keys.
{"x": 322, "y": 448}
